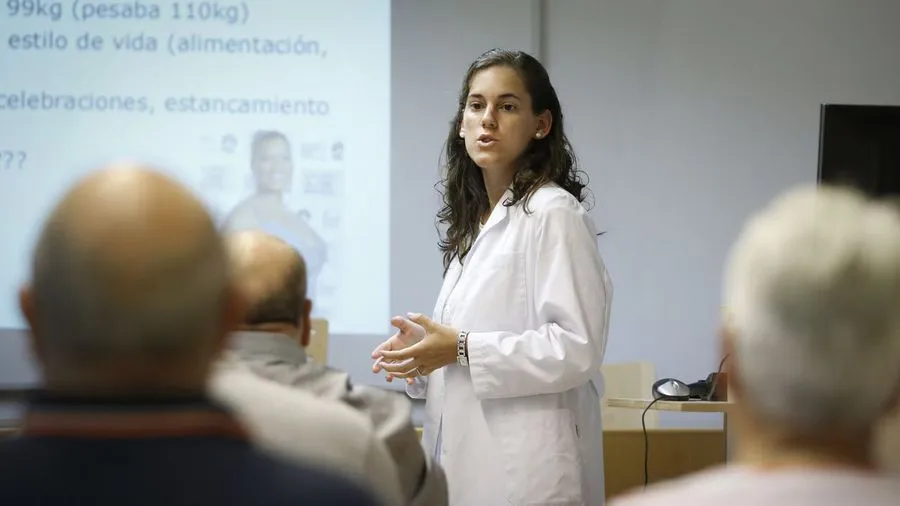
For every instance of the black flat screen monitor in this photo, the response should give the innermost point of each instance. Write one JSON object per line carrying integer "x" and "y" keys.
{"x": 859, "y": 146}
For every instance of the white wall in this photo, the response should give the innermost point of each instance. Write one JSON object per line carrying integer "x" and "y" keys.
{"x": 690, "y": 114}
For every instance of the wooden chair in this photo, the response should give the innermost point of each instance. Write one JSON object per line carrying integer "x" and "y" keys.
{"x": 887, "y": 449}
{"x": 630, "y": 380}
{"x": 317, "y": 350}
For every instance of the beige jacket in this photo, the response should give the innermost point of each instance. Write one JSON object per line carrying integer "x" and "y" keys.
{"x": 281, "y": 359}
{"x": 299, "y": 426}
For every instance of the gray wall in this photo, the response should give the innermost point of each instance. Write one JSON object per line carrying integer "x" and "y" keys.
{"x": 690, "y": 114}
{"x": 687, "y": 115}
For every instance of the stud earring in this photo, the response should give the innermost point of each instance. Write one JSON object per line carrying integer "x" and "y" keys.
{"x": 537, "y": 135}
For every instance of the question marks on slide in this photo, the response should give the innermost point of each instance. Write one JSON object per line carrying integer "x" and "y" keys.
{"x": 10, "y": 159}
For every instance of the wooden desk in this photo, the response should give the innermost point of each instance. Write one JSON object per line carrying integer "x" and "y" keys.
{"x": 684, "y": 407}
{"x": 673, "y": 453}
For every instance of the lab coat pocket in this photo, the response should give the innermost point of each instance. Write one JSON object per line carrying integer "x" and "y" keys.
{"x": 541, "y": 458}
{"x": 494, "y": 293}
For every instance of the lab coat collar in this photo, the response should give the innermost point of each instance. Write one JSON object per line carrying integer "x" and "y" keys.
{"x": 499, "y": 213}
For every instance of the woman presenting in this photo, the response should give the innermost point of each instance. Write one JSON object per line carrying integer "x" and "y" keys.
{"x": 509, "y": 364}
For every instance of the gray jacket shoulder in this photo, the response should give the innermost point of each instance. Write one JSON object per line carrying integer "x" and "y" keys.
{"x": 422, "y": 481}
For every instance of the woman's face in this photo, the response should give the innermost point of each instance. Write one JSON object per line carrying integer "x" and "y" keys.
{"x": 272, "y": 166}
{"x": 498, "y": 122}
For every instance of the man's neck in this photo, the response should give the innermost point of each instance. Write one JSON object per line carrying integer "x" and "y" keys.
{"x": 269, "y": 341}
{"x": 271, "y": 328}
{"x": 121, "y": 389}
{"x": 126, "y": 378}
{"x": 769, "y": 449}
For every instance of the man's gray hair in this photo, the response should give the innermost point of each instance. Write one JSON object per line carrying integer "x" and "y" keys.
{"x": 91, "y": 306}
{"x": 812, "y": 298}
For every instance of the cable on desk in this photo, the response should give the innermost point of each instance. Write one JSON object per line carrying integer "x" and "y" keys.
{"x": 715, "y": 382}
{"x": 647, "y": 440}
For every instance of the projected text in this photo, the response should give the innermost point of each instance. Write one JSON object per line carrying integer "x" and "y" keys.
{"x": 219, "y": 12}
{"x": 276, "y": 113}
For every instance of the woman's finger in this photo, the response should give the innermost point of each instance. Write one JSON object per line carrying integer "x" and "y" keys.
{"x": 378, "y": 366}
{"x": 404, "y": 354}
{"x": 412, "y": 373}
{"x": 399, "y": 367}
{"x": 400, "y": 323}
{"x": 376, "y": 353}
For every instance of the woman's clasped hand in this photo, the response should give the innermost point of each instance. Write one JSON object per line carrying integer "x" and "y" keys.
{"x": 419, "y": 347}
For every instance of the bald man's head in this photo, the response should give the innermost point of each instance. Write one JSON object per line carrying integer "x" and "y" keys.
{"x": 129, "y": 267}
{"x": 271, "y": 276}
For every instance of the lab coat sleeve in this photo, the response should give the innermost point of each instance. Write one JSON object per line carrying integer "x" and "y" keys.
{"x": 418, "y": 388}
{"x": 571, "y": 295}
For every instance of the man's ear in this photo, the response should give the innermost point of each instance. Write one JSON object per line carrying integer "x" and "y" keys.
{"x": 233, "y": 315}
{"x": 29, "y": 312}
{"x": 893, "y": 405}
{"x": 727, "y": 349}
{"x": 305, "y": 323}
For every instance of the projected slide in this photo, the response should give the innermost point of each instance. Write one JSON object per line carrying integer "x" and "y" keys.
{"x": 276, "y": 112}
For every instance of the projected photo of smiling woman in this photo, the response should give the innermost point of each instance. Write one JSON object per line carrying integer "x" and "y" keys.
{"x": 272, "y": 165}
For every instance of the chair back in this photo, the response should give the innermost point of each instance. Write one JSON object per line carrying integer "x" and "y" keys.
{"x": 629, "y": 380}
{"x": 317, "y": 350}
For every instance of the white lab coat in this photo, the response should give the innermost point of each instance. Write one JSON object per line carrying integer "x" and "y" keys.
{"x": 521, "y": 424}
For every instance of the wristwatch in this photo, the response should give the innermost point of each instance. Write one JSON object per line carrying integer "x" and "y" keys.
{"x": 462, "y": 351}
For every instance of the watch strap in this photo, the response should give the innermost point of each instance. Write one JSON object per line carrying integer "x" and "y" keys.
{"x": 462, "y": 354}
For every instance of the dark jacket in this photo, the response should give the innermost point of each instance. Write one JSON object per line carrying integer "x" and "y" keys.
{"x": 182, "y": 451}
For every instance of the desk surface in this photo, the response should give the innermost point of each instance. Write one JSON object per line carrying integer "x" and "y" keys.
{"x": 685, "y": 406}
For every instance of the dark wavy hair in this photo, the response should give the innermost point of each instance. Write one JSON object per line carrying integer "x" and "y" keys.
{"x": 547, "y": 160}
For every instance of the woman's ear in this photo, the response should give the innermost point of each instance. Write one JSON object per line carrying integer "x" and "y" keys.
{"x": 544, "y": 124}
